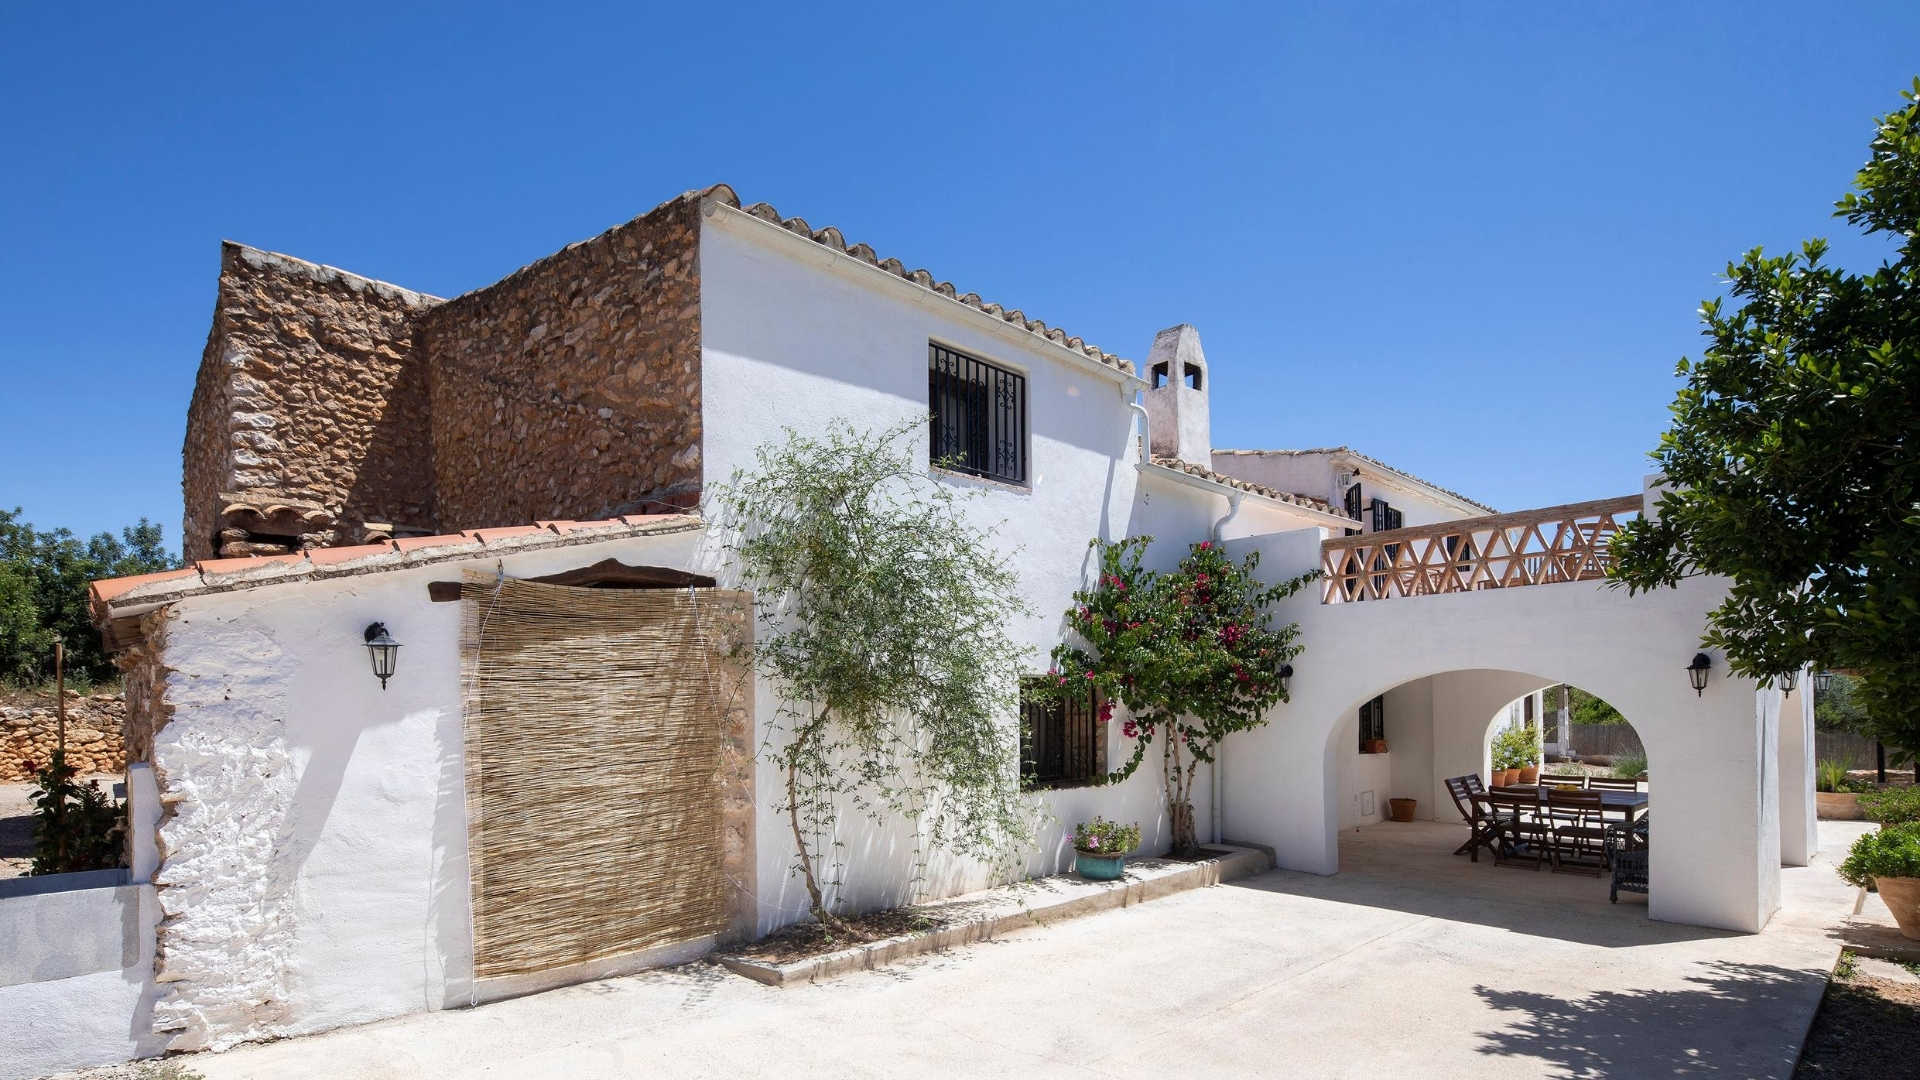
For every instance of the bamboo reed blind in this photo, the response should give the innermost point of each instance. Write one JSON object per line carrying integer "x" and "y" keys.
{"x": 592, "y": 739}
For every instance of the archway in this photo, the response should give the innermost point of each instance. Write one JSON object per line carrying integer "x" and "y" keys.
{"x": 1718, "y": 860}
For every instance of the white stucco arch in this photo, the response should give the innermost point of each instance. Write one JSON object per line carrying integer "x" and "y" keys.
{"x": 1716, "y": 861}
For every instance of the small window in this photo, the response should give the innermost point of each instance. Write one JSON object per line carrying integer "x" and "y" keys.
{"x": 1159, "y": 375}
{"x": 1062, "y": 741}
{"x": 1193, "y": 376}
{"x": 979, "y": 416}
{"x": 1373, "y": 723}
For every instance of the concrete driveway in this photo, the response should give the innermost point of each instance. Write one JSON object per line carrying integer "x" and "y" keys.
{"x": 1409, "y": 963}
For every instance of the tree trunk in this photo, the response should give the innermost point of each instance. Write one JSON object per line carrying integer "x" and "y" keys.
{"x": 1179, "y": 781}
{"x": 819, "y": 906}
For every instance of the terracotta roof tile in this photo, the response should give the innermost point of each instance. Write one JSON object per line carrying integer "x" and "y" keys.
{"x": 1351, "y": 452}
{"x": 334, "y": 556}
{"x": 1248, "y": 486}
{"x": 107, "y": 590}
{"x": 215, "y": 575}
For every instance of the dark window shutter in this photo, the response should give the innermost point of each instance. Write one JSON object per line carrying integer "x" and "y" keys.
{"x": 1353, "y": 502}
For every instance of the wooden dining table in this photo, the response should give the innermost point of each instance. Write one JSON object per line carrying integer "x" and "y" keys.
{"x": 1628, "y": 804}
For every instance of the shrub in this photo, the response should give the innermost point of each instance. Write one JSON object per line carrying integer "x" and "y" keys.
{"x": 1630, "y": 766}
{"x": 75, "y": 826}
{"x": 1892, "y": 806}
{"x": 1890, "y": 852}
{"x": 1828, "y": 775}
{"x": 1103, "y": 837}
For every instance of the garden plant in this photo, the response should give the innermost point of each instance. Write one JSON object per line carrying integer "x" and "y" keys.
{"x": 1193, "y": 653}
{"x": 882, "y": 610}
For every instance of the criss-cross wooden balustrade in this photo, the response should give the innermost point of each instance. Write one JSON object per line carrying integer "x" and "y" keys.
{"x": 1529, "y": 547}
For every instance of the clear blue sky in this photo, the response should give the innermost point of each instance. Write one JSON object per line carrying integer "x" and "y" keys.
{"x": 1470, "y": 244}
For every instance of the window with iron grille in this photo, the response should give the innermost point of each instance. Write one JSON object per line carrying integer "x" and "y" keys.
{"x": 979, "y": 415}
{"x": 1373, "y": 722}
{"x": 1062, "y": 741}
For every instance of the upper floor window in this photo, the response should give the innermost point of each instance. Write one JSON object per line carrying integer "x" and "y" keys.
{"x": 979, "y": 415}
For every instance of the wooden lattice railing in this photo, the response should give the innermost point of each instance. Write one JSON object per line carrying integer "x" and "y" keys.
{"x": 1530, "y": 547}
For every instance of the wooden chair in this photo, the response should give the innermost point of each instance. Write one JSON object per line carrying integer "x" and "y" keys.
{"x": 1459, "y": 788}
{"x": 1517, "y": 828}
{"x": 1581, "y": 839}
{"x": 1613, "y": 783}
{"x": 1577, "y": 780}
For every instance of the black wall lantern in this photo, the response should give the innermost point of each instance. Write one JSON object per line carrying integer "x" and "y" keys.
{"x": 1286, "y": 676}
{"x": 1822, "y": 681}
{"x": 1697, "y": 673}
{"x": 1787, "y": 681}
{"x": 383, "y": 650}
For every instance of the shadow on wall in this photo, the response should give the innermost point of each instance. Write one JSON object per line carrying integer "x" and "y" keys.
{"x": 1658, "y": 1032}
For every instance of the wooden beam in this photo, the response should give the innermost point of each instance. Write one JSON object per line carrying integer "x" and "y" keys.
{"x": 605, "y": 574}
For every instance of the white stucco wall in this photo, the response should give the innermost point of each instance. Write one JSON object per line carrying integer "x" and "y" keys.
{"x": 796, "y": 336}
{"x": 315, "y": 867}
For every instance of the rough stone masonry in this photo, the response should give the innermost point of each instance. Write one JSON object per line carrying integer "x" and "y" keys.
{"x": 332, "y": 409}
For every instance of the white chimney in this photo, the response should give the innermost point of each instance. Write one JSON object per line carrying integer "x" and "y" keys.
{"x": 1176, "y": 398}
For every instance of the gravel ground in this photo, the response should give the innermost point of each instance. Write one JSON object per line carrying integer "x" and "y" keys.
{"x": 1865, "y": 1027}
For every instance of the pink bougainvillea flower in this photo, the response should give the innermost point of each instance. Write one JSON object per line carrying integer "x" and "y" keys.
{"x": 1205, "y": 544}
{"x": 1130, "y": 729}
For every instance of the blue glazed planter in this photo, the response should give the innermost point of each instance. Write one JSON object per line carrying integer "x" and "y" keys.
{"x": 1099, "y": 867}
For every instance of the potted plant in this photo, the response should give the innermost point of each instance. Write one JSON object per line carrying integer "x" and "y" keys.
{"x": 1836, "y": 796}
{"x": 1888, "y": 859}
{"x": 1512, "y": 751}
{"x": 1530, "y": 756}
{"x": 1401, "y": 809}
{"x": 1100, "y": 848}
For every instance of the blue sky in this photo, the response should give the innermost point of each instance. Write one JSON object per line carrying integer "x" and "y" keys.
{"x": 1469, "y": 242}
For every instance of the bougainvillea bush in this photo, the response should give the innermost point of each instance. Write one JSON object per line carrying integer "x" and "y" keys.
{"x": 1192, "y": 653}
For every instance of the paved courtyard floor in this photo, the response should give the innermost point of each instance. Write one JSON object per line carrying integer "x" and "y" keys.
{"x": 1410, "y": 962}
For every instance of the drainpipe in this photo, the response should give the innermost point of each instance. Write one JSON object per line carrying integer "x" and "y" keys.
{"x": 1145, "y": 434}
{"x": 1218, "y": 803}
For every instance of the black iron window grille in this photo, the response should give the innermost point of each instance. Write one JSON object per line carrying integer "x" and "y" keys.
{"x": 1373, "y": 722}
{"x": 1060, "y": 736}
{"x": 979, "y": 416}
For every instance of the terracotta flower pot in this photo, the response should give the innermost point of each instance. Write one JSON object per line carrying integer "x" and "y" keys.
{"x": 1902, "y": 897}
{"x": 1837, "y": 805}
{"x": 1401, "y": 809}
{"x": 1506, "y": 777}
{"x": 1530, "y": 774}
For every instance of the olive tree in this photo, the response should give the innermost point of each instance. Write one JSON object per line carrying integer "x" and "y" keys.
{"x": 882, "y": 619}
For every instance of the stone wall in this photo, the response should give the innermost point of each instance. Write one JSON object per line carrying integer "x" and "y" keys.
{"x": 309, "y": 415}
{"x": 29, "y": 731}
{"x": 571, "y": 389}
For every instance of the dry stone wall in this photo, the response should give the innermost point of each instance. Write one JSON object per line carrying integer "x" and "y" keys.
{"x": 571, "y": 389}
{"x": 309, "y": 415}
{"x": 29, "y": 731}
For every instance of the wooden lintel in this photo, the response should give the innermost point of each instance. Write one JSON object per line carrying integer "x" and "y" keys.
{"x": 605, "y": 574}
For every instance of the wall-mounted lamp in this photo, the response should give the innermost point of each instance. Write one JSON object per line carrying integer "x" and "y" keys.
{"x": 1697, "y": 673}
{"x": 1787, "y": 681}
{"x": 383, "y": 650}
{"x": 1286, "y": 676}
{"x": 1822, "y": 681}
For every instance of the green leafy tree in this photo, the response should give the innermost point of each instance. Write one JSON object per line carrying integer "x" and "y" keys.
{"x": 1588, "y": 709}
{"x": 1792, "y": 455}
{"x": 1838, "y": 708}
{"x": 883, "y": 613}
{"x": 44, "y": 576}
{"x": 1192, "y": 653}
